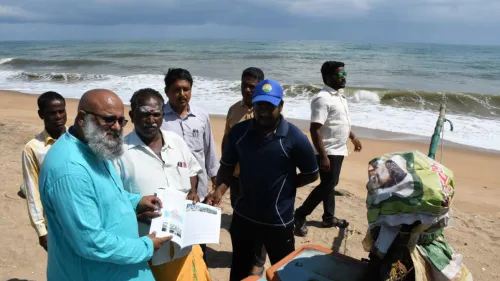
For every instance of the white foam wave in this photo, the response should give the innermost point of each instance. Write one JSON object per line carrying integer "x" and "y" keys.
{"x": 216, "y": 96}
{"x": 365, "y": 96}
{"x": 5, "y": 60}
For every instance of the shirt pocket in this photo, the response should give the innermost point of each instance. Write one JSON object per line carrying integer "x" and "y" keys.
{"x": 183, "y": 178}
{"x": 194, "y": 138}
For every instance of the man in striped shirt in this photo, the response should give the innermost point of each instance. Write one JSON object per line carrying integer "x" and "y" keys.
{"x": 52, "y": 110}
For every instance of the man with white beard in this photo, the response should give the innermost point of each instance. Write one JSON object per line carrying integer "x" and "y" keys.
{"x": 92, "y": 220}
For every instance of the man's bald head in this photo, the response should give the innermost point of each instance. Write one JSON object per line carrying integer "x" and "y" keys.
{"x": 97, "y": 100}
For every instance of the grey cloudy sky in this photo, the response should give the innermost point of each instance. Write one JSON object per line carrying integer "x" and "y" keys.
{"x": 440, "y": 21}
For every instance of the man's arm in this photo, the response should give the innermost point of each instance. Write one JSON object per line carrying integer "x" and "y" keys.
{"x": 194, "y": 168}
{"x": 227, "y": 128}
{"x": 194, "y": 184}
{"x": 319, "y": 115}
{"x": 355, "y": 141}
{"x": 224, "y": 176}
{"x": 211, "y": 159}
{"x": 73, "y": 198}
{"x": 303, "y": 155}
{"x": 317, "y": 139}
{"x": 223, "y": 179}
{"x": 30, "y": 179}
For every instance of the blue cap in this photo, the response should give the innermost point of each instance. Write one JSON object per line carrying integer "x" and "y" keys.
{"x": 268, "y": 90}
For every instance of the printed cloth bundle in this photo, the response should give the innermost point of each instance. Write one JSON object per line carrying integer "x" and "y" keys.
{"x": 412, "y": 193}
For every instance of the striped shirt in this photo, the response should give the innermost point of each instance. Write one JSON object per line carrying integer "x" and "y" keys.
{"x": 32, "y": 158}
{"x": 196, "y": 130}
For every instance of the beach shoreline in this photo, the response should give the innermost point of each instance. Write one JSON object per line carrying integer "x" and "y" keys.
{"x": 361, "y": 132}
{"x": 476, "y": 213}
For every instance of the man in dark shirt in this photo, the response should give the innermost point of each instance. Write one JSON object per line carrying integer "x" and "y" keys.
{"x": 269, "y": 151}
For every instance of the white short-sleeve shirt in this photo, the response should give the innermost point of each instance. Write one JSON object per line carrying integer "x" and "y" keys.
{"x": 329, "y": 108}
{"x": 143, "y": 172}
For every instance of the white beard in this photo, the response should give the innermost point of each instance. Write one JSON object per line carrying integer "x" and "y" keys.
{"x": 98, "y": 142}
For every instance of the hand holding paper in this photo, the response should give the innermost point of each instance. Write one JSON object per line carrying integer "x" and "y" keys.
{"x": 147, "y": 207}
{"x": 158, "y": 242}
{"x": 188, "y": 223}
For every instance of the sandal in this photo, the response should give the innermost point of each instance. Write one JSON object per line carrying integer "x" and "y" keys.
{"x": 340, "y": 223}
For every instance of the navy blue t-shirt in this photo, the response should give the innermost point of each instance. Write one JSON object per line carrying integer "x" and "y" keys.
{"x": 268, "y": 170}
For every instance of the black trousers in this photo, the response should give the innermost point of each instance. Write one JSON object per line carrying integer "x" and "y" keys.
{"x": 325, "y": 191}
{"x": 278, "y": 241}
{"x": 260, "y": 252}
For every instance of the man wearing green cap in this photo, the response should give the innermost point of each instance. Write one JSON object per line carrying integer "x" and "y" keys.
{"x": 269, "y": 150}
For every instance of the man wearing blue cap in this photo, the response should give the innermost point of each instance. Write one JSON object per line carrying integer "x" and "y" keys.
{"x": 269, "y": 150}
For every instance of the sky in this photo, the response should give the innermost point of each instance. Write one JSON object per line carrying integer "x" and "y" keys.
{"x": 375, "y": 21}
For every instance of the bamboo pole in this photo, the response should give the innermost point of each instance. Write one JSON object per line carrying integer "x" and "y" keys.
{"x": 437, "y": 131}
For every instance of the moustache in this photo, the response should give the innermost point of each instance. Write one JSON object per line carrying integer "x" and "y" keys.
{"x": 114, "y": 134}
{"x": 149, "y": 126}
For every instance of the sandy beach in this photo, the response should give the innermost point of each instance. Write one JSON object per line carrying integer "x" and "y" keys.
{"x": 474, "y": 231}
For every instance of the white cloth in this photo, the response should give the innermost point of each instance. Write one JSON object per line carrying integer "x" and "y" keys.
{"x": 143, "y": 172}
{"x": 329, "y": 108}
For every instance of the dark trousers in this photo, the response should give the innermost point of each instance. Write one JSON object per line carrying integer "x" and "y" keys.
{"x": 259, "y": 250}
{"x": 325, "y": 191}
{"x": 278, "y": 241}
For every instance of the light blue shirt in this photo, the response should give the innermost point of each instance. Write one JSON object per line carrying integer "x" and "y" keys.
{"x": 92, "y": 225}
{"x": 196, "y": 130}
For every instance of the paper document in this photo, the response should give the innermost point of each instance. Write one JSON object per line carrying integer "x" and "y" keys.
{"x": 188, "y": 223}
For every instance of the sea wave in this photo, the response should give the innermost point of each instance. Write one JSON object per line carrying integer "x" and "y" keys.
{"x": 126, "y": 55}
{"x": 58, "y": 77}
{"x": 21, "y": 63}
{"x": 470, "y": 104}
{"x": 381, "y": 109}
{"x": 461, "y": 103}
{"x": 5, "y": 60}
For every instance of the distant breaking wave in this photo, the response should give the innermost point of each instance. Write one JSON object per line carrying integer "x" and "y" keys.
{"x": 59, "y": 77}
{"x": 21, "y": 63}
{"x": 125, "y": 55}
{"x": 461, "y": 103}
{"x": 480, "y": 105}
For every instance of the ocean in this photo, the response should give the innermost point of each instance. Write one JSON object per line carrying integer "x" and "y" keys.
{"x": 390, "y": 87}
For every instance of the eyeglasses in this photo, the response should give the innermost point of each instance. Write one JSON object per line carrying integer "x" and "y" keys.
{"x": 110, "y": 120}
{"x": 342, "y": 74}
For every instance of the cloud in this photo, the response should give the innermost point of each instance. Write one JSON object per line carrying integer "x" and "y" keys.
{"x": 329, "y": 8}
{"x": 16, "y": 12}
{"x": 405, "y": 11}
{"x": 244, "y": 12}
{"x": 296, "y": 19}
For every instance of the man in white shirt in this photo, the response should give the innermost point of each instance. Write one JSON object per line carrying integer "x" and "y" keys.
{"x": 156, "y": 159}
{"x": 330, "y": 129}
